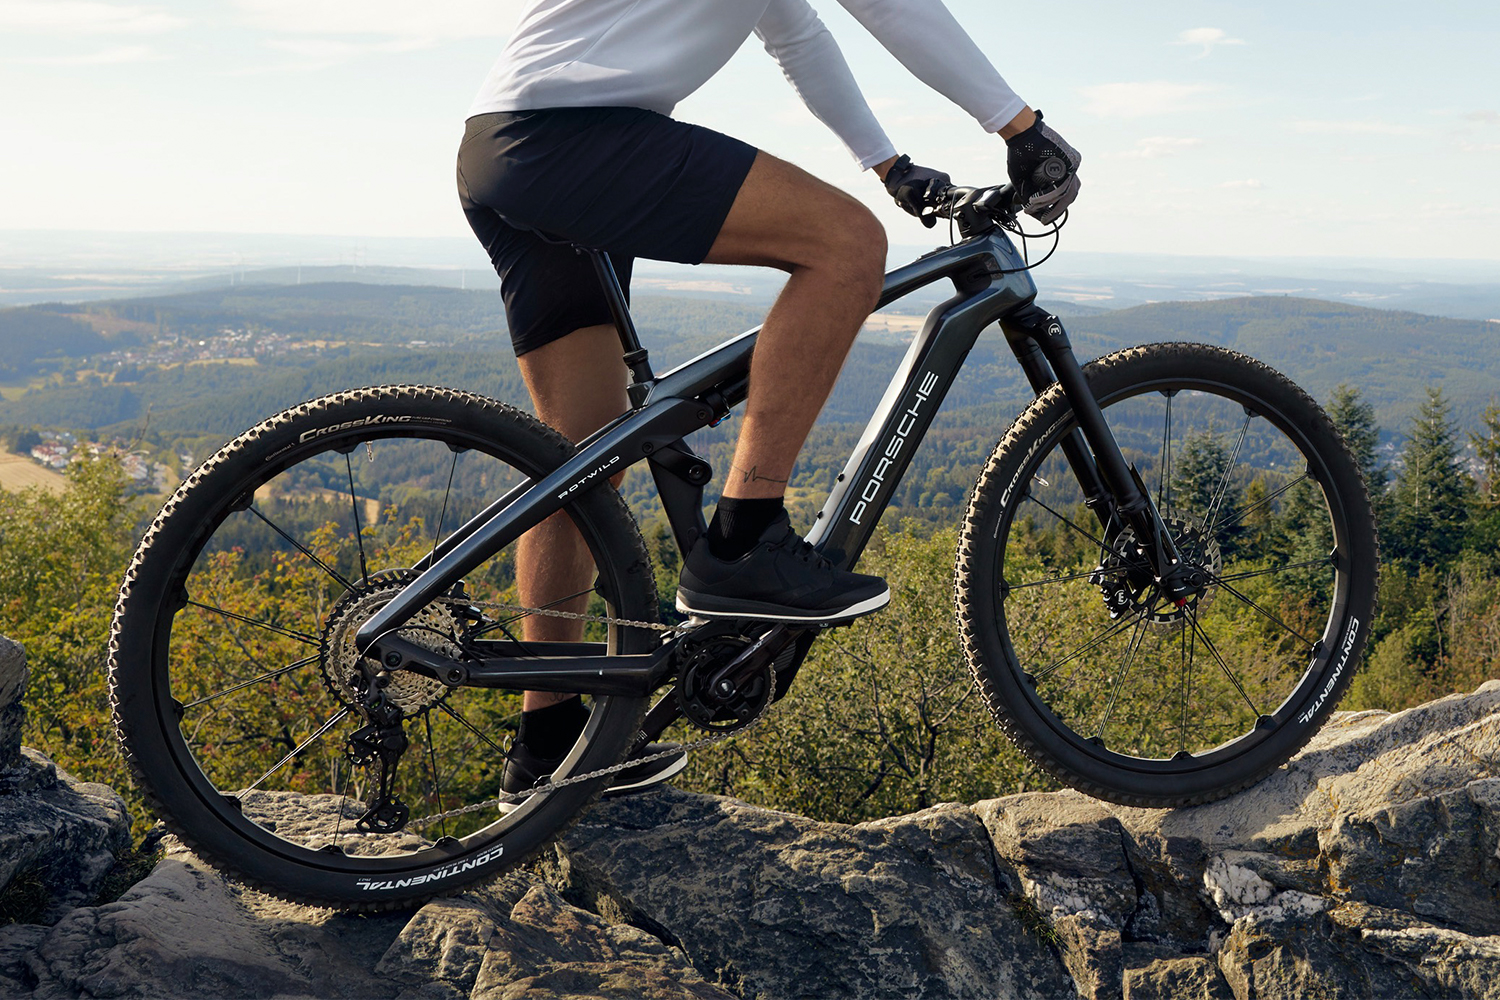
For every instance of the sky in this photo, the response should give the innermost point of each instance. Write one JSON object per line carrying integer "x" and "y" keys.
{"x": 1335, "y": 128}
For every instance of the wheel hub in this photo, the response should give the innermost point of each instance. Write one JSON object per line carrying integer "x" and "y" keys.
{"x": 434, "y": 628}
{"x": 1128, "y": 587}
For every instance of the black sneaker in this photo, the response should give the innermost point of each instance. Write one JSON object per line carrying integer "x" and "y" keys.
{"x": 781, "y": 579}
{"x": 524, "y": 769}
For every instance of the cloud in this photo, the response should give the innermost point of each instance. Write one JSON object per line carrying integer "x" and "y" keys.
{"x": 1207, "y": 38}
{"x": 334, "y": 50}
{"x": 1249, "y": 184}
{"x": 449, "y": 19}
{"x": 108, "y": 57}
{"x": 1368, "y": 126}
{"x": 1137, "y": 100}
{"x": 1154, "y": 147}
{"x": 84, "y": 17}
{"x": 1483, "y": 117}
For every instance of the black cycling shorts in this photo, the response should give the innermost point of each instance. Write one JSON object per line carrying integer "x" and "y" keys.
{"x": 625, "y": 180}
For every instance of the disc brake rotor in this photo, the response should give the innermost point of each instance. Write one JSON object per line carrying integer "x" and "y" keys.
{"x": 1129, "y": 591}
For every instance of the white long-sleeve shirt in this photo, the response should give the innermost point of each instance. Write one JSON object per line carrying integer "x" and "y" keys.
{"x": 653, "y": 53}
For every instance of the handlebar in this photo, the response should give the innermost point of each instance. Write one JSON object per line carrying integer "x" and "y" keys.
{"x": 977, "y": 210}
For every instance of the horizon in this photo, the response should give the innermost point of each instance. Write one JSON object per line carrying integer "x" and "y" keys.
{"x": 1226, "y": 130}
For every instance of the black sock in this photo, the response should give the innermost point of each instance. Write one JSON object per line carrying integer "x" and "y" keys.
{"x": 738, "y": 524}
{"x": 549, "y": 732}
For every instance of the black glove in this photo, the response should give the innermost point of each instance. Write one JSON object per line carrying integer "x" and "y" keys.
{"x": 1044, "y": 189}
{"x": 919, "y": 190}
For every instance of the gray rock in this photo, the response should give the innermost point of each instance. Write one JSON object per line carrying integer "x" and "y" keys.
{"x": 1191, "y": 978}
{"x": 774, "y": 905}
{"x": 548, "y": 950}
{"x": 186, "y": 931}
{"x": 1369, "y": 866}
{"x": 61, "y": 832}
{"x": 13, "y": 676}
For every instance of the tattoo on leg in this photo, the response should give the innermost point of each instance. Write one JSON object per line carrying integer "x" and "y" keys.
{"x": 752, "y": 475}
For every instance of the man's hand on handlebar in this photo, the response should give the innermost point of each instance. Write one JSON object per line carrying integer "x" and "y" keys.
{"x": 919, "y": 190}
{"x": 1044, "y": 170}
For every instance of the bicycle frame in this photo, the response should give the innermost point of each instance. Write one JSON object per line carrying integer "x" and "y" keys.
{"x": 991, "y": 284}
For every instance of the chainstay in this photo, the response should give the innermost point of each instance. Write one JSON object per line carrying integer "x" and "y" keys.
{"x": 515, "y": 798}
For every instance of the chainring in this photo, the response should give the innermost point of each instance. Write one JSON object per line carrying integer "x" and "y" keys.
{"x": 718, "y": 715}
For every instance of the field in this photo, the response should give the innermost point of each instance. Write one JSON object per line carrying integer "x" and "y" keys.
{"x": 18, "y": 472}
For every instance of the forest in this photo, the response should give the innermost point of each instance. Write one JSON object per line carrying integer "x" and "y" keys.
{"x": 883, "y": 717}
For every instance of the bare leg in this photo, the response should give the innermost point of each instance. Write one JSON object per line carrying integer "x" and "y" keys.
{"x": 577, "y": 384}
{"x": 834, "y": 249}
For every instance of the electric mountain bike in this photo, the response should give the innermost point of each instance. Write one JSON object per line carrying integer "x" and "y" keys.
{"x": 1165, "y": 578}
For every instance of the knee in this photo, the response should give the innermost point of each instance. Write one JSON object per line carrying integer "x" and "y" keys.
{"x": 860, "y": 250}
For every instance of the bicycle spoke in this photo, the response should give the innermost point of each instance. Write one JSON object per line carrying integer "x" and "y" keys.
{"x": 437, "y": 781}
{"x": 302, "y": 637}
{"x": 337, "y": 718}
{"x": 359, "y": 538}
{"x": 1130, "y": 651}
{"x": 303, "y": 549}
{"x": 1164, "y": 473}
{"x": 447, "y": 492}
{"x": 1092, "y": 644}
{"x": 1190, "y": 644}
{"x": 1258, "y": 609}
{"x": 544, "y": 607}
{"x": 1208, "y": 644}
{"x": 1232, "y": 518}
{"x": 1112, "y": 571}
{"x": 1065, "y": 520}
{"x": 452, "y": 714}
{"x": 1252, "y": 573}
{"x": 1223, "y": 490}
{"x": 270, "y": 675}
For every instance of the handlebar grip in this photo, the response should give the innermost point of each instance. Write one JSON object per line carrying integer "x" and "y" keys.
{"x": 1049, "y": 172}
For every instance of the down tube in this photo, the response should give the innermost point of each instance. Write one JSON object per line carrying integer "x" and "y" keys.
{"x": 885, "y": 450}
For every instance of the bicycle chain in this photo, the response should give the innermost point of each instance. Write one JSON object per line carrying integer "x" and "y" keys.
{"x": 514, "y": 798}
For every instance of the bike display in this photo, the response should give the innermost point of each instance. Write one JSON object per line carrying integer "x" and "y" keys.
{"x": 1164, "y": 582}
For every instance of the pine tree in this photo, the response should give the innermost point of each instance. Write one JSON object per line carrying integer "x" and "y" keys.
{"x": 1430, "y": 498}
{"x": 1484, "y": 524}
{"x": 1487, "y": 446}
{"x": 1355, "y": 420}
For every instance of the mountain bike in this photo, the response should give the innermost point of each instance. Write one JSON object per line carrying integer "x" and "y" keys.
{"x": 1164, "y": 581}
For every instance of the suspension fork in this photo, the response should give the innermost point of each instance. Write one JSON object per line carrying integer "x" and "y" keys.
{"x": 1112, "y": 488}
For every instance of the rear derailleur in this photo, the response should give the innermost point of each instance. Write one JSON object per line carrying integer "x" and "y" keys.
{"x": 379, "y": 745}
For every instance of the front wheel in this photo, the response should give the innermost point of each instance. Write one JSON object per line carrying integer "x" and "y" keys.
{"x": 1099, "y": 678}
{"x": 237, "y": 687}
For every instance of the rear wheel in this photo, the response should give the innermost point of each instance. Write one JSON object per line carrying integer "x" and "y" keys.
{"x": 237, "y": 686}
{"x": 1097, "y": 676}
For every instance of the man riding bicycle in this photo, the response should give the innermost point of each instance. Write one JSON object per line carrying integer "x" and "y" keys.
{"x": 569, "y": 143}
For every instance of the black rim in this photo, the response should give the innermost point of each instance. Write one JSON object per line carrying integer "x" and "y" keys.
{"x": 458, "y": 739}
{"x": 1157, "y": 688}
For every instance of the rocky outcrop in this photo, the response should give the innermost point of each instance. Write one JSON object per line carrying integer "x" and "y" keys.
{"x": 13, "y": 676}
{"x": 1367, "y": 867}
{"x": 58, "y": 836}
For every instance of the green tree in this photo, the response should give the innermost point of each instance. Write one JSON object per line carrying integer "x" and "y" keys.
{"x": 61, "y": 560}
{"x": 1355, "y": 420}
{"x": 1430, "y": 497}
{"x": 1483, "y": 537}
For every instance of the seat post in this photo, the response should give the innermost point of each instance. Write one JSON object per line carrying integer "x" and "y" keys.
{"x": 636, "y": 356}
